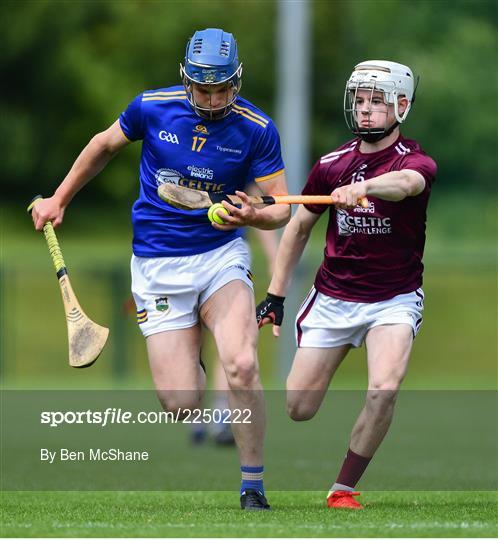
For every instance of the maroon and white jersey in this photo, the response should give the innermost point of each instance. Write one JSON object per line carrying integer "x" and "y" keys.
{"x": 375, "y": 253}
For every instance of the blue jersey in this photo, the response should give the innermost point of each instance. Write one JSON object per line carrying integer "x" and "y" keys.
{"x": 181, "y": 147}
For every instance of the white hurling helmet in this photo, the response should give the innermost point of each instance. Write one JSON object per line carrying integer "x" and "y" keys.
{"x": 392, "y": 79}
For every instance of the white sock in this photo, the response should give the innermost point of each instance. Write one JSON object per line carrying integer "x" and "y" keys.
{"x": 340, "y": 487}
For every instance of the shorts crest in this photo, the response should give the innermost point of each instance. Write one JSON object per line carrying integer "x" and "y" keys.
{"x": 162, "y": 304}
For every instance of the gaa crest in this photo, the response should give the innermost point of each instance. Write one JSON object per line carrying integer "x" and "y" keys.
{"x": 208, "y": 76}
{"x": 199, "y": 128}
{"x": 162, "y": 304}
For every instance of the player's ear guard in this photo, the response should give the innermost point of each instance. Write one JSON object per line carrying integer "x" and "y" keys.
{"x": 272, "y": 307}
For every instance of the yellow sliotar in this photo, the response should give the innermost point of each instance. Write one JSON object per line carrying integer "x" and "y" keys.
{"x": 214, "y": 211}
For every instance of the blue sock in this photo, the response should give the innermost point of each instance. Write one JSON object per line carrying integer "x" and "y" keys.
{"x": 252, "y": 478}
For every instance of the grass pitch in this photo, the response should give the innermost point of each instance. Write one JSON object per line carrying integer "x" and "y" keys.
{"x": 216, "y": 514}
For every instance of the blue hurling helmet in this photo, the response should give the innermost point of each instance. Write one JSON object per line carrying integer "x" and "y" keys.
{"x": 211, "y": 58}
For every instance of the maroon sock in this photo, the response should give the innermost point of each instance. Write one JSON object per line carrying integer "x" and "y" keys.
{"x": 353, "y": 467}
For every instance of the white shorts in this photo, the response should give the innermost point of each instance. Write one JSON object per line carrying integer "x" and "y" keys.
{"x": 168, "y": 291}
{"x": 325, "y": 322}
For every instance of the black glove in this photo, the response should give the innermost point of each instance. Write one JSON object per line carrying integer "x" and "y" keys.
{"x": 272, "y": 307}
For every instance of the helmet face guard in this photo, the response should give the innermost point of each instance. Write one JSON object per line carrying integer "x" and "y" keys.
{"x": 392, "y": 80}
{"x": 211, "y": 60}
{"x": 233, "y": 85}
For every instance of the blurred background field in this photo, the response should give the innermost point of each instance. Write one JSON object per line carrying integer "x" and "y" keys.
{"x": 73, "y": 67}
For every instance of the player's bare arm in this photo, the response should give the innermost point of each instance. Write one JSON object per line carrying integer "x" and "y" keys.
{"x": 92, "y": 159}
{"x": 267, "y": 239}
{"x": 290, "y": 249}
{"x": 392, "y": 186}
{"x": 271, "y": 217}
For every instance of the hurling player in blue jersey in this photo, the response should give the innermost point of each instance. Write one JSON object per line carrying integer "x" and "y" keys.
{"x": 185, "y": 270}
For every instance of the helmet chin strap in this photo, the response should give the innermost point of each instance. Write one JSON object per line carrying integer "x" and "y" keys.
{"x": 211, "y": 114}
{"x": 369, "y": 137}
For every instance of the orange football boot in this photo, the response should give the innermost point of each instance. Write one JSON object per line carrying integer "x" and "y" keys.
{"x": 343, "y": 499}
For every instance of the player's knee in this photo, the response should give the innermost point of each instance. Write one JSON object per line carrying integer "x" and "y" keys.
{"x": 388, "y": 387}
{"x": 180, "y": 403}
{"x": 381, "y": 399}
{"x": 391, "y": 382}
{"x": 242, "y": 371}
{"x": 300, "y": 411}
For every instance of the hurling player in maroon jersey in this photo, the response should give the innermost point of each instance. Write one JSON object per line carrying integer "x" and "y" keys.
{"x": 368, "y": 288}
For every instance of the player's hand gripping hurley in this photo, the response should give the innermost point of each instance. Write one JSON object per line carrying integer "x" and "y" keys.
{"x": 193, "y": 199}
{"x": 86, "y": 338}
